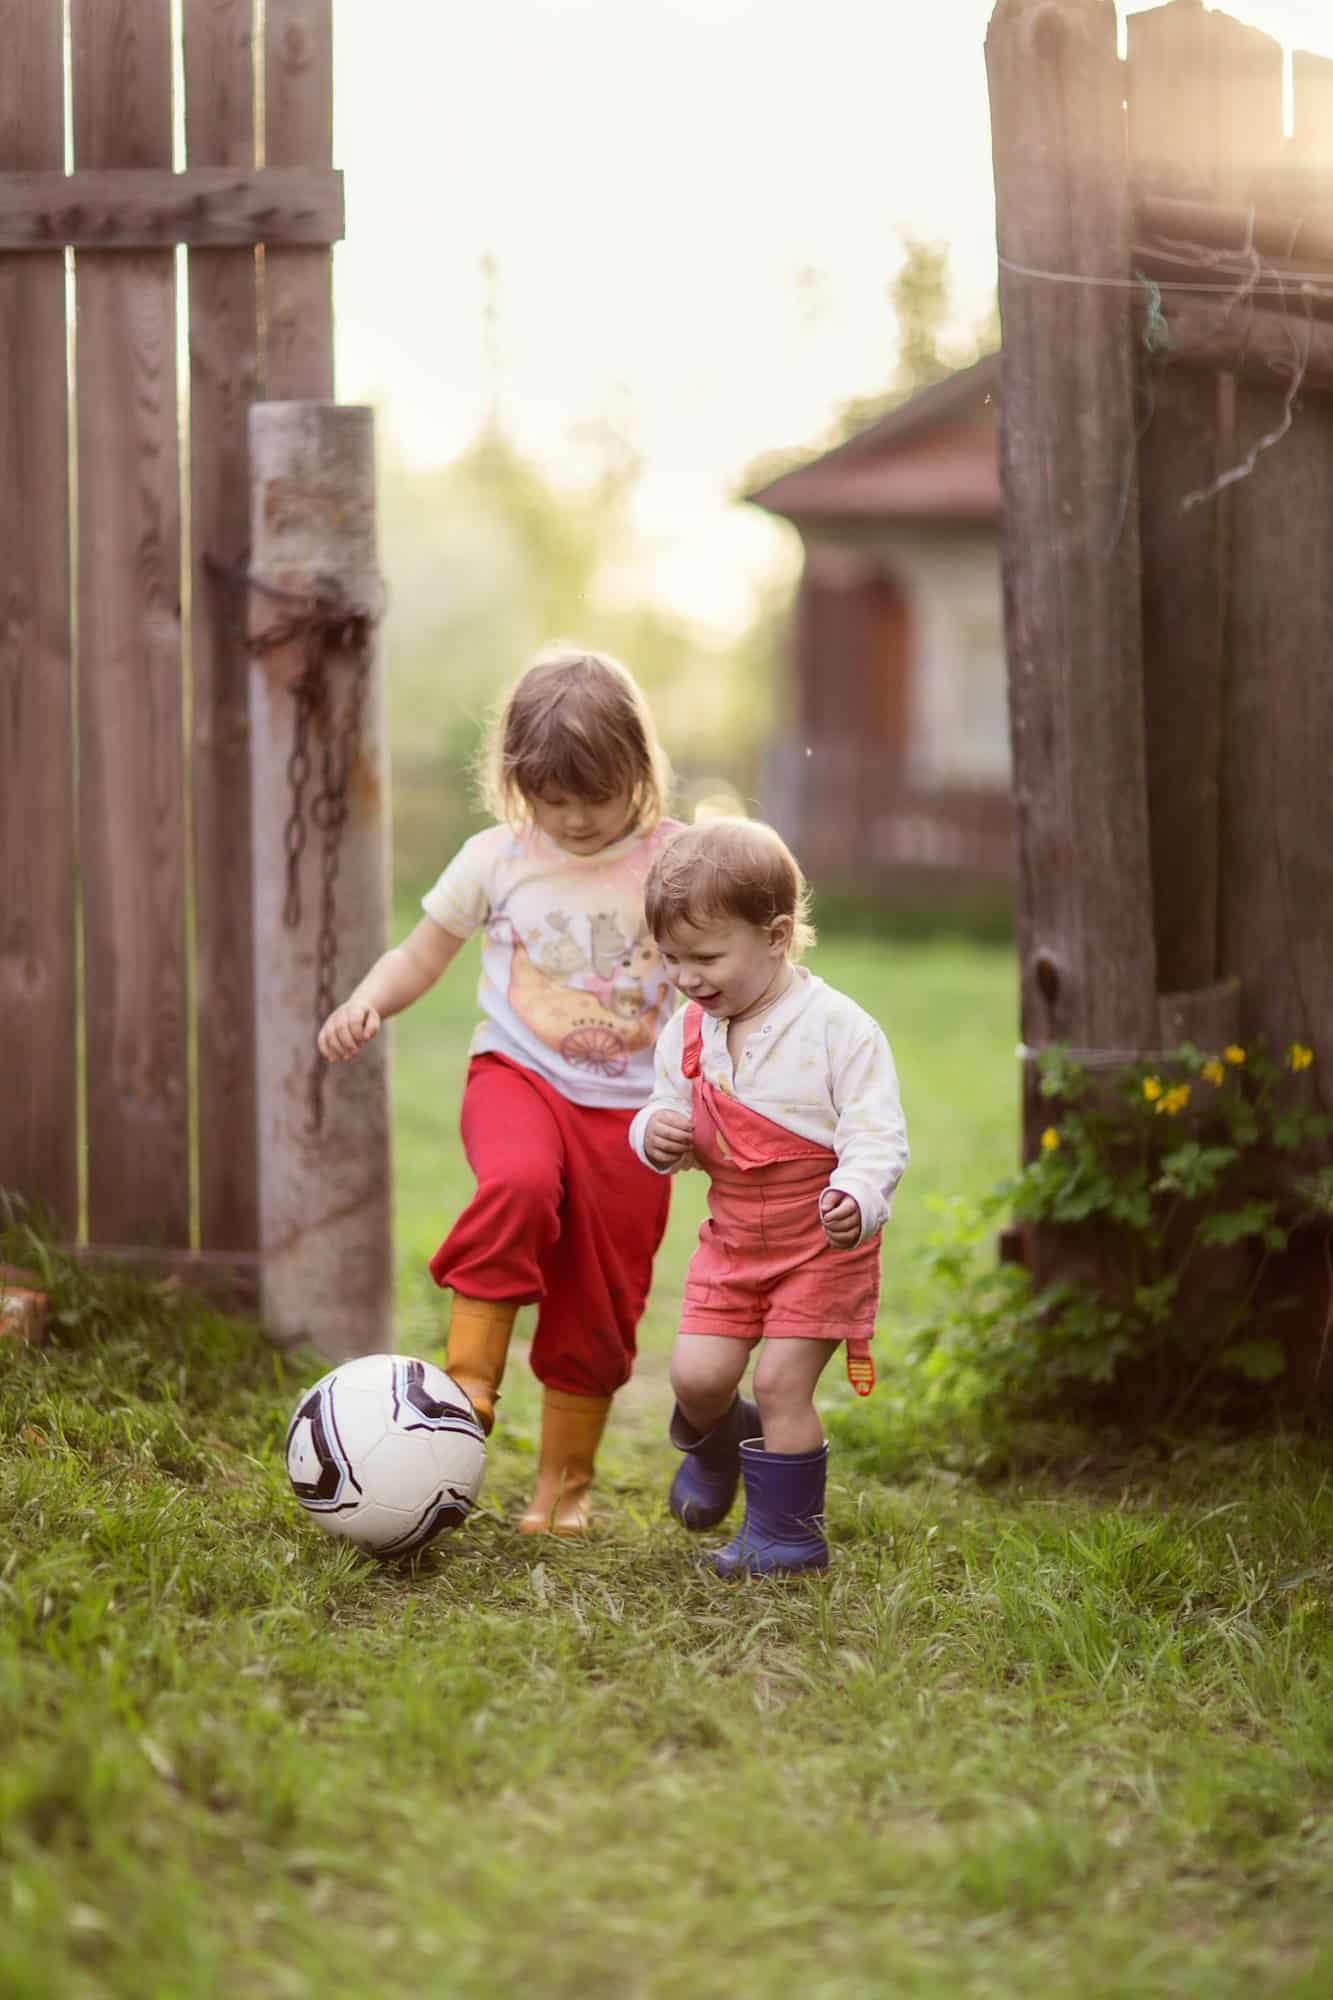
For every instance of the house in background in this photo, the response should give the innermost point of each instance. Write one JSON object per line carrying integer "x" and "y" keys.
{"x": 893, "y": 768}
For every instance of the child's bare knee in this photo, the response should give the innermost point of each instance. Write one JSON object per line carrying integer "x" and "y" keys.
{"x": 786, "y": 1374}
{"x": 702, "y": 1366}
{"x": 685, "y": 1377}
{"x": 776, "y": 1382}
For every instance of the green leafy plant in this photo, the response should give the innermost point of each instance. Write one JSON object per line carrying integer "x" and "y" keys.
{"x": 1162, "y": 1194}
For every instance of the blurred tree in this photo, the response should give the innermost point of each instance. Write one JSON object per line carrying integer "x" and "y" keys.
{"x": 486, "y": 560}
{"x": 919, "y": 293}
{"x": 929, "y": 344}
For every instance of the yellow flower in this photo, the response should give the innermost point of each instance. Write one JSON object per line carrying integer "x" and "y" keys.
{"x": 1299, "y": 1056}
{"x": 1214, "y": 1071}
{"x": 1233, "y": 1053}
{"x": 1050, "y": 1139}
{"x": 1175, "y": 1100}
{"x": 1152, "y": 1088}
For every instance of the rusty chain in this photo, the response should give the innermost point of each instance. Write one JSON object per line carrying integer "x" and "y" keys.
{"x": 325, "y": 624}
{"x": 329, "y": 806}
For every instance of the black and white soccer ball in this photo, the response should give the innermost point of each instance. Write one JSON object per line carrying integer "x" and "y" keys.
{"x": 386, "y": 1452}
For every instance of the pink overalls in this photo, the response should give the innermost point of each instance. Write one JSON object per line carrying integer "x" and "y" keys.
{"x": 764, "y": 1265}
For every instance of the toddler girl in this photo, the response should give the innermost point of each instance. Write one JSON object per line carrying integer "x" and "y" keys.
{"x": 574, "y": 998}
{"x": 784, "y": 1091}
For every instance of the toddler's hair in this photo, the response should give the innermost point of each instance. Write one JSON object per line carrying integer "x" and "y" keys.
{"x": 728, "y": 868}
{"x": 577, "y": 721}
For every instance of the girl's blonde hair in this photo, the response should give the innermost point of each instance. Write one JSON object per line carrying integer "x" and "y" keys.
{"x": 577, "y": 721}
{"x": 728, "y": 868}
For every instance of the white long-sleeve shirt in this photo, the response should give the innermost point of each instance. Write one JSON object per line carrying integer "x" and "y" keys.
{"x": 818, "y": 1065}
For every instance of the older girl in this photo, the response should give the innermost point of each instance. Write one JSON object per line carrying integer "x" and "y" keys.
{"x": 573, "y": 998}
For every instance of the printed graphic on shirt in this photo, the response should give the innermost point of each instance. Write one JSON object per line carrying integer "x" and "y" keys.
{"x": 592, "y": 1006}
{"x": 571, "y": 982}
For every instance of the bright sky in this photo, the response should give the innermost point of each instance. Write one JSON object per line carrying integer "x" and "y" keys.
{"x": 653, "y": 177}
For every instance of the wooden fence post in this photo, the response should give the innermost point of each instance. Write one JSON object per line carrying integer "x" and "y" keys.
{"x": 224, "y": 335}
{"x": 130, "y": 706}
{"x": 1173, "y": 131}
{"x": 38, "y": 1111}
{"x": 1071, "y": 530}
{"x": 298, "y": 131}
{"x": 324, "y": 1196}
{"x": 1277, "y": 849}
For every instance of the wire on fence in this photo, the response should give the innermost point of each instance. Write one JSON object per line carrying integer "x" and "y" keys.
{"x": 1258, "y": 279}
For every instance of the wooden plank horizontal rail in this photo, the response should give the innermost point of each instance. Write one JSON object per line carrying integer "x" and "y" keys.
{"x": 228, "y": 1278}
{"x": 1294, "y": 234}
{"x": 1292, "y": 187}
{"x": 1257, "y": 342}
{"x": 139, "y": 208}
{"x": 1289, "y": 188}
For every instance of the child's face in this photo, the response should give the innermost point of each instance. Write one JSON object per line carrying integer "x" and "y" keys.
{"x": 726, "y": 965}
{"x": 581, "y": 826}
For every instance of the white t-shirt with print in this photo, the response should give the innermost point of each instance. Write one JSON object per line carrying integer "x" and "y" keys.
{"x": 571, "y": 983}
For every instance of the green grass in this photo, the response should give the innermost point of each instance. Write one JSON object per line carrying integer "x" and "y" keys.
{"x": 1055, "y": 1726}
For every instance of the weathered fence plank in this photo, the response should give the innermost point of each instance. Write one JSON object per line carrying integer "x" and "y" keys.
{"x": 139, "y": 209}
{"x": 38, "y": 1110}
{"x": 224, "y": 336}
{"x": 325, "y": 1195}
{"x": 1073, "y": 618}
{"x": 131, "y": 819}
{"x": 1172, "y": 138}
{"x": 1277, "y": 879}
{"x": 298, "y": 131}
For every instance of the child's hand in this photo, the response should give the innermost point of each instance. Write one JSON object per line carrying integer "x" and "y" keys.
{"x": 348, "y": 1029}
{"x": 841, "y": 1217}
{"x": 669, "y": 1140}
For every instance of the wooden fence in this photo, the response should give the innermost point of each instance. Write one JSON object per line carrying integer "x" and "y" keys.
{"x": 126, "y": 939}
{"x": 1166, "y": 286}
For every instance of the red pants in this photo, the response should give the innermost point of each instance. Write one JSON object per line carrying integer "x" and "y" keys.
{"x": 565, "y": 1214}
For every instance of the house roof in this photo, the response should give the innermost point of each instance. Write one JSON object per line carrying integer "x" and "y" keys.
{"x": 931, "y": 458}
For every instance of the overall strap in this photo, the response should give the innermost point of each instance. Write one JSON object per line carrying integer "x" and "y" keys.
{"x": 691, "y": 1053}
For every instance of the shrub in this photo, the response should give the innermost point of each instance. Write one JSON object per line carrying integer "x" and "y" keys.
{"x": 1175, "y": 1185}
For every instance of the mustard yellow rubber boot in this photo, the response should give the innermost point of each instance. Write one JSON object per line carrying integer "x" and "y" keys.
{"x": 572, "y": 1429}
{"x": 477, "y": 1349}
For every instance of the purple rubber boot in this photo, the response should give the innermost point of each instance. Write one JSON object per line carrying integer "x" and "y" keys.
{"x": 705, "y": 1486}
{"x": 783, "y": 1529}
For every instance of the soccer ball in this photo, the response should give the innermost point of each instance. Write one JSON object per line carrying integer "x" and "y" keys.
{"x": 386, "y": 1452}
